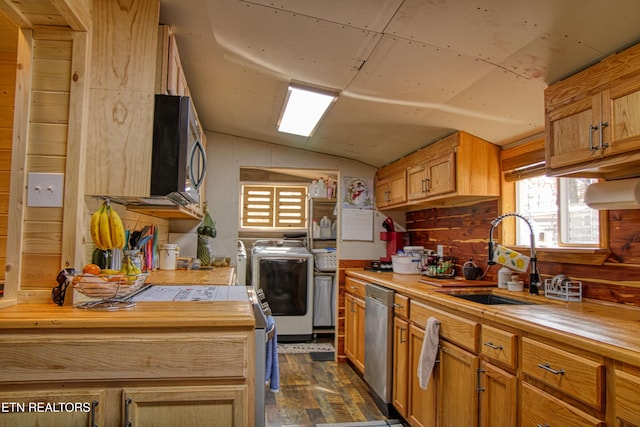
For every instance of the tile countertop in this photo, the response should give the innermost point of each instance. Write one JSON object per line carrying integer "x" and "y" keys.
{"x": 608, "y": 329}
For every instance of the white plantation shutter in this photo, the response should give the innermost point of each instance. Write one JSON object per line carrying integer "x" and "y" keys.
{"x": 274, "y": 206}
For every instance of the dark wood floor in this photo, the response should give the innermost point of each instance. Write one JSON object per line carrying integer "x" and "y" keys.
{"x": 318, "y": 392}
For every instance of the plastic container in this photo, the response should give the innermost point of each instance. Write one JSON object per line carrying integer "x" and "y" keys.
{"x": 325, "y": 259}
{"x": 169, "y": 256}
{"x": 316, "y": 229}
{"x": 515, "y": 286}
{"x": 406, "y": 264}
{"x": 325, "y": 228}
{"x": 504, "y": 276}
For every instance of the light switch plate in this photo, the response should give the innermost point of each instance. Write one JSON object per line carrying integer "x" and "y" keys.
{"x": 440, "y": 250}
{"x": 45, "y": 190}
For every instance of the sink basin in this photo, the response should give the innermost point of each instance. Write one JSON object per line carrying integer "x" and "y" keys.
{"x": 490, "y": 299}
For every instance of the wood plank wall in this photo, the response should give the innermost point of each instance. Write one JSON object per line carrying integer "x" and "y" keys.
{"x": 8, "y": 62}
{"x": 464, "y": 232}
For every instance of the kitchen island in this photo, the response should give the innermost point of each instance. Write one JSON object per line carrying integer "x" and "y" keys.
{"x": 158, "y": 363}
{"x": 537, "y": 362}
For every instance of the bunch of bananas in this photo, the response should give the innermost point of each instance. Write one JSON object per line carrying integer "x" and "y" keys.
{"x": 107, "y": 229}
{"x": 128, "y": 267}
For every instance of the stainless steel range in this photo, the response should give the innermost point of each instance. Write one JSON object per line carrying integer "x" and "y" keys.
{"x": 283, "y": 269}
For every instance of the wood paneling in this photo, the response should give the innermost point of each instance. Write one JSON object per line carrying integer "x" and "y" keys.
{"x": 464, "y": 233}
{"x": 8, "y": 63}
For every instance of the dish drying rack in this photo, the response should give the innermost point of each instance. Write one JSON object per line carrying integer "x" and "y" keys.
{"x": 563, "y": 290}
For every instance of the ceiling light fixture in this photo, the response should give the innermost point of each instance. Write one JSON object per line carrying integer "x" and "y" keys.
{"x": 303, "y": 109}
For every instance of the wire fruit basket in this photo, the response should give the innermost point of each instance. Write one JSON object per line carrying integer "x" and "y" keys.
{"x": 108, "y": 291}
{"x": 443, "y": 268}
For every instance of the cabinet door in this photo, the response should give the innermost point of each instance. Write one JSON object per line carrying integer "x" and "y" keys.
{"x": 458, "y": 395}
{"x": 441, "y": 175}
{"x": 627, "y": 398}
{"x": 400, "y": 365}
{"x": 542, "y": 409}
{"x": 571, "y": 139}
{"x": 422, "y": 410}
{"x": 391, "y": 189}
{"x": 360, "y": 316}
{"x": 53, "y": 408}
{"x": 498, "y": 390}
{"x": 350, "y": 330}
{"x": 224, "y": 405}
{"x": 417, "y": 182}
{"x": 622, "y": 101}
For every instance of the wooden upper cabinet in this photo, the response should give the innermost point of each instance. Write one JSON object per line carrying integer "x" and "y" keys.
{"x": 170, "y": 78}
{"x": 121, "y": 98}
{"x": 391, "y": 188}
{"x": 457, "y": 169}
{"x": 593, "y": 119}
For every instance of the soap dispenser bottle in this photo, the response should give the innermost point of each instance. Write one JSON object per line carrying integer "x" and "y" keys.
{"x": 504, "y": 275}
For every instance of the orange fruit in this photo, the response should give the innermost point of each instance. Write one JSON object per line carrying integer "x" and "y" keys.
{"x": 91, "y": 269}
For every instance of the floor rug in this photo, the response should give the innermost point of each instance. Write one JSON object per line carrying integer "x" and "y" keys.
{"x": 323, "y": 356}
{"x": 304, "y": 348}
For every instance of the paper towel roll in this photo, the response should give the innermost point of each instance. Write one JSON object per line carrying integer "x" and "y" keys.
{"x": 619, "y": 194}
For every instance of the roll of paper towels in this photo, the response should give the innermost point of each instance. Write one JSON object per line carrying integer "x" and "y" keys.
{"x": 619, "y": 194}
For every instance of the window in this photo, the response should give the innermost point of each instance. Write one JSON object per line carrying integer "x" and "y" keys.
{"x": 274, "y": 206}
{"x": 554, "y": 206}
{"x": 556, "y": 210}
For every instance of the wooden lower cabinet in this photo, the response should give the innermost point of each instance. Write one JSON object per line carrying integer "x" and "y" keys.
{"x": 541, "y": 409}
{"x": 75, "y": 407}
{"x": 186, "y": 406}
{"x": 627, "y": 397}
{"x": 498, "y": 396}
{"x": 422, "y": 408}
{"x": 354, "y": 331}
{"x": 400, "y": 393}
{"x": 458, "y": 395}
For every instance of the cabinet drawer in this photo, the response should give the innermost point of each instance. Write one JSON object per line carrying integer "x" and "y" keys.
{"x": 499, "y": 345}
{"x": 542, "y": 409}
{"x": 577, "y": 376}
{"x": 455, "y": 329}
{"x": 355, "y": 287}
{"x": 627, "y": 401}
{"x": 401, "y": 306}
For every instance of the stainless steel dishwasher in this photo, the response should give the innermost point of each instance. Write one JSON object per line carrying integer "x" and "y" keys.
{"x": 378, "y": 344}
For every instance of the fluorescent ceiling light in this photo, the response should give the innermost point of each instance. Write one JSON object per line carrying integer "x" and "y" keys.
{"x": 303, "y": 109}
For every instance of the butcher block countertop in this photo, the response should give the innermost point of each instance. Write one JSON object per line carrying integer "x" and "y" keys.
{"x": 199, "y": 314}
{"x": 217, "y": 314}
{"x": 608, "y": 329}
{"x": 212, "y": 276}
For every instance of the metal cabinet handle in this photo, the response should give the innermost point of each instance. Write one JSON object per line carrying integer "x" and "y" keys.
{"x": 492, "y": 345}
{"x": 542, "y": 425}
{"x": 601, "y": 128}
{"x": 591, "y": 129}
{"x": 127, "y": 403}
{"x": 548, "y": 368}
{"x": 396, "y": 305}
{"x": 401, "y": 331}
{"x": 94, "y": 404}
{"x": 428, "y": 185}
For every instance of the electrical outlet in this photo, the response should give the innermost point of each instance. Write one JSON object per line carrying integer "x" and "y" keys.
{"x": 45, "y": 190}
{"x": 440, "y": 250}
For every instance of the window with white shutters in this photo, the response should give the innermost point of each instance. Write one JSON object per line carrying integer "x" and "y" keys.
{"x": 274, "y": 206}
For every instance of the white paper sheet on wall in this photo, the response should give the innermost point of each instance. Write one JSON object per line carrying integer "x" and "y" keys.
{"x": 357, "y": 224}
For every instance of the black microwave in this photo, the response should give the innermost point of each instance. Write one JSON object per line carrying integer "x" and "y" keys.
{"x": 178, "y": 161}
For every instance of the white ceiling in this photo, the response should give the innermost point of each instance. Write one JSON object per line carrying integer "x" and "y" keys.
{"x": 409, "y": 71}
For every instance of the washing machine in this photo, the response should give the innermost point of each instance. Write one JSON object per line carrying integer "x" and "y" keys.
{"x": 283, "y": 269}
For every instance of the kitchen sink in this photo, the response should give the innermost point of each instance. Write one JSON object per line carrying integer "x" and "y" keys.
{"x": 491, "y": 299}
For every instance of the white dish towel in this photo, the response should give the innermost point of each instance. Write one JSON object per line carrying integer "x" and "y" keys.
{"x": 429, "y": 352}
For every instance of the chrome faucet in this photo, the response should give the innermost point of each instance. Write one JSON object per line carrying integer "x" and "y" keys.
{"x": 534, "y": 275}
